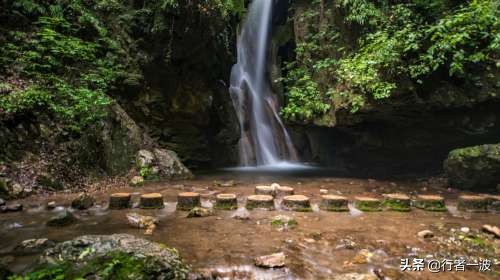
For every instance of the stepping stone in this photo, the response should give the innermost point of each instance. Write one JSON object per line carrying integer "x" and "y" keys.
{"x": 299, "y": 203}
{"x": 260, "y": 201}
{"x": 226, "y": 201}
{"x": 151, "y": 201}
{"x": 368, "y": 204}
{"x": 119, "y": 200}
{"x": 334, "y": 203}
{"x": 472, "y": 203}
{"x": 188, "y": 200}
{"x": 397, "y": 202}
{"x": 282, "y": 191}
{"x": 265, "y": 190}
{"x": 433, "y": 203}
{"x": 493, "y": 202}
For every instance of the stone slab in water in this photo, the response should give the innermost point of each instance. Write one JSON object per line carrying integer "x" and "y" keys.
{"x": 368, "y": 204}
{"x": 226, "y": 201}
{"x": 472, "y": 203}
{"x": 151, "y": 201}
{"x": 260, "y": 201}
{"x": 188, "y": 200}
{"x": 433, "y": 203}
{"x": 299, "y": 203}
{"x": 282, "y": 191}
{"x": 334, "y": 203}
{"x": 265, "y": 190}
{"x": 119, "y": 200}
{"x": 397, "y": 202}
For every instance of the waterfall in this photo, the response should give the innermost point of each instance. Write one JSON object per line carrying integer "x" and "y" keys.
{"x": 264, "y": 139}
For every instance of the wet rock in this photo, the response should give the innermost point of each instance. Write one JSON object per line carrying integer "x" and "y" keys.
{"x": 492, "y": 230}
{"x": 136, "y": 181}
{"x": 51, "y": 205}
{"x": 161, "y": 262}
{"x": 474, "y": 167}
{"x": 144, "y": 159}
{"x": 425, "y": 234}
{"x": 271, "y": 261}
{"x": 141, "y": 221}
{"x": 284, "y": 222}
{"x": 13, "y": 207}
{"x": 62, "y": 219}
{"x": 2, "y": 202}
{"x": 83, "y": 201}
{"x": 170, "y": 165}
{"x": 200, "y": 212}
{"x": 31, "y": 246}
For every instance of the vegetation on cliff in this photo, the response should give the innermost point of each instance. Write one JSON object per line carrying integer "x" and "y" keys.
{"x": 65, "y": 57}
{"x": 352, "y": 52}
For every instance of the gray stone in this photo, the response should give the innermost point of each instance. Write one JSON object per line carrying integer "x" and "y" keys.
{"x": 83, "y": 201}
{"x": 62, "y": 219}
{"x": 2, "y": 202}
{"x": 476, "y": 167}
{"x": 163, "y": 262}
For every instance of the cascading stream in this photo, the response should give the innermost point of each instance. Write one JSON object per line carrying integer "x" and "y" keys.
{"x": 264, "y": 139}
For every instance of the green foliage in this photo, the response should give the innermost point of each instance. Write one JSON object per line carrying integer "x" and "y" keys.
{"x": 393, "y": 42}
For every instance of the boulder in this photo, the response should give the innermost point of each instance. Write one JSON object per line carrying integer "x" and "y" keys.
{"x": 94, "y": 254}
{"x": 161, "y": 163}
{"x": 32, "y": 246}
{"x": 83, "y": 201}
{"x": 200, "y": 212}
{"x": 476, "y": 167}
{"x": 62, "y": 219}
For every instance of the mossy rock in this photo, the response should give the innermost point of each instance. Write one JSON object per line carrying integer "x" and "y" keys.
{"x": 334, "y": 203}
{"x": 476, "y": 167}
{"x": 299, "y": 203}
{"x": 434, "y": 203}
{"x": 397, "y": 202}
{"x": 226, "y": 201}
{"x": 260, "y": 202}
{"x": 109, "y": 257}
{"x": 368, "y": 204}
{"x": 472, "y": 203}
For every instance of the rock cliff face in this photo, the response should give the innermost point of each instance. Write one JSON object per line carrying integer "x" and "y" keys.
{"x": 410, "y": 132}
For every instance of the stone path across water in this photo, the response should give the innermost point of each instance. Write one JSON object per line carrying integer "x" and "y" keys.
{"x": 265, "y": 199}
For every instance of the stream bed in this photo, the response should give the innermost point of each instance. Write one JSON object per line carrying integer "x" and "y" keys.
{"x": 321, "y": 245}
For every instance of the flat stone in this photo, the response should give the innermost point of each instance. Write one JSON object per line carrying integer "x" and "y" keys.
{"x": 433, "y": 203}
{"x": 472, "y": 203}
{"x": 368, "y": 204}
{"x": 226, "y": 201}
{"x": 265, "y": 190}
{"x": 260, "y": 202}
{"x": 271, "y": 261}
{"x": 282, "y": 191}
{"x": 335, "y": 203}
{"x": 141, "y": 221}
{"x": 188, "y": 200}
{"x": 397, "y": 202}
{"x": 299, "y": 203}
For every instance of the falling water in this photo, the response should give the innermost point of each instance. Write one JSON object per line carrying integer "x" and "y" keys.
{"x": 264, "y": 139}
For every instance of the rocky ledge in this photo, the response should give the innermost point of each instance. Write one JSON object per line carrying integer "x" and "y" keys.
{"x": 107, "y": 256}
